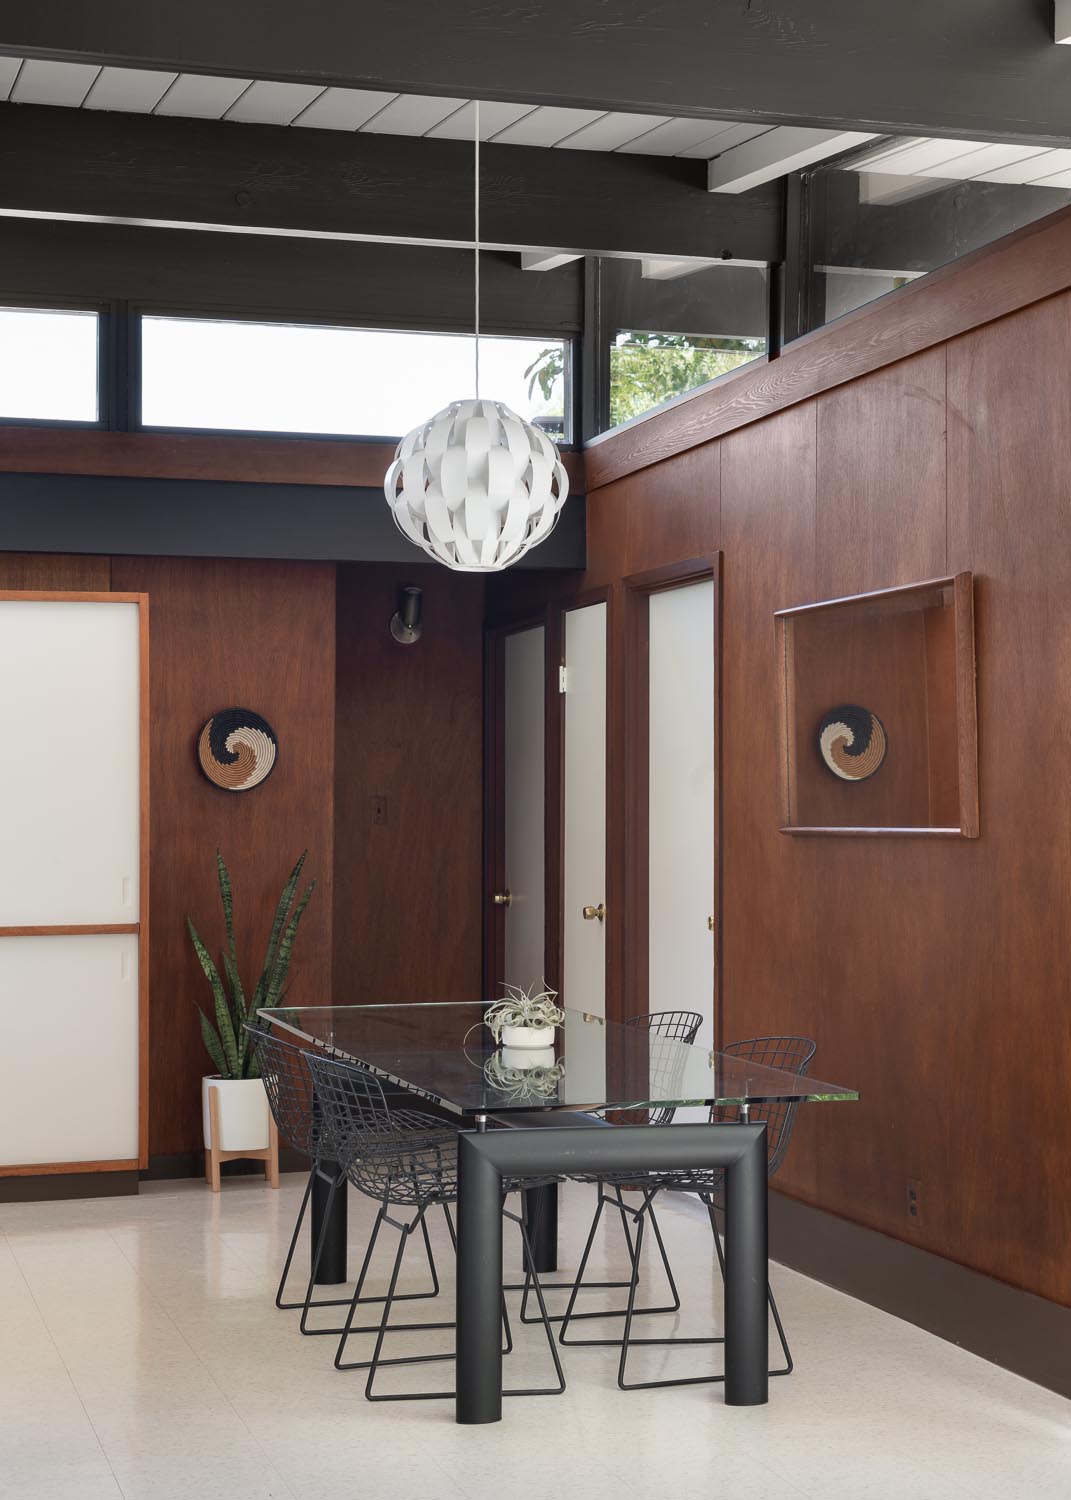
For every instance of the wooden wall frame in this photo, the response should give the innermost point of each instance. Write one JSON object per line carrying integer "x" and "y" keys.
{"x": 141, "y": 926}
{"x": 962, "y": 759}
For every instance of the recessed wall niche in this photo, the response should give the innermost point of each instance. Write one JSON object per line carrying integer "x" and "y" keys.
{"x": 878, "y": 725}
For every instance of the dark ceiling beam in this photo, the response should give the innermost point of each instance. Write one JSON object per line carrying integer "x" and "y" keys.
{"x": 274, "y": 179}
{"x": 985, "y": 69}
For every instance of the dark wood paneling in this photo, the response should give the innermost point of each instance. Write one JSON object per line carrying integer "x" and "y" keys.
{"x": 224, "y": 633}
{"x": 955, "y": 67}
{"x": 230, "y": 458}
{"x": 32, "y": 570}
{"x": 1006, "y": 1036}
{"x": 409, "y": 721}
{"x": 1032, "y": 263}
{"x": 656, "y": 519}
{"x": 897, "y": 473}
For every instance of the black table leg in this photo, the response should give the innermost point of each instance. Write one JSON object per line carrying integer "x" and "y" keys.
{"x": 746, "y": 1279}
{"x": 332, "y": 1267}
{"x": 479, "y": 1288}
{"x": 541, "y": 1211}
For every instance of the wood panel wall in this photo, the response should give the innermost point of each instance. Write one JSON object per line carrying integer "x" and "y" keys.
{"x": 932, "y": 974}
{"x": 408, "y": 789}
{"x": 397, "y": 906}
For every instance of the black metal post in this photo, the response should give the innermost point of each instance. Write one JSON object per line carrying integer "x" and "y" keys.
{"x": 332, "y": 1268}
{"x": 746, "y": 1277}
{"x": 479, "y": 1285}
{"x": 541, "y": 1211}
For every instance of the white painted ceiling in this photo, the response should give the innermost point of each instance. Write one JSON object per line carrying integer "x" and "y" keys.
{"x": 139, "y": 91}
{"x": 968, "y": 161}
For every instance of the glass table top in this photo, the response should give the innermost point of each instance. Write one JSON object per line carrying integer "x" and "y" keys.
{"x": 444, "y": 1052}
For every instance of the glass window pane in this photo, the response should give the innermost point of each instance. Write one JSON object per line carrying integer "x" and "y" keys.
{"x": 881, "y": 219}
{"x": 676, "y": 325}
{"x": 276, "y": 377}
{"x": 649, "y": 368}
{"x": 48, "y": 364}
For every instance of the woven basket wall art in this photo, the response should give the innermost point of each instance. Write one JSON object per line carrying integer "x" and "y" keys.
{"x": 852, "y": 742}
{"x": 237, "y": 749}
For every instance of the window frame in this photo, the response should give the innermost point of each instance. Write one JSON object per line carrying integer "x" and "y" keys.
{"x": 109, "y": 325}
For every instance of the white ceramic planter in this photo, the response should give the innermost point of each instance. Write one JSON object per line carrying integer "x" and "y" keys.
{"x": 527, "y": 1037}
{"x": 528, "y": 1057}
{"x": 244, "y": 1116}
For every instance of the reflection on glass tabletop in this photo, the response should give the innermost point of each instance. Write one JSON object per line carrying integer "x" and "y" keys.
{"x": 445, "y": 1053}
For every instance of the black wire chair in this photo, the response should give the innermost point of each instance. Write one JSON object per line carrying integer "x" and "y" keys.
{"x": 668, "y": 1029}
{"x": 403, "y": 1160}
{"x": 789, "y": 1053}
{"x": 291, "y": 1098}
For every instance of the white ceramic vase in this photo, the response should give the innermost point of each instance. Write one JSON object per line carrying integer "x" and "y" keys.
{"x": 527, "y": 1057}
{"x": 527, "y": 1037}
{"x": 244, "y": 1115}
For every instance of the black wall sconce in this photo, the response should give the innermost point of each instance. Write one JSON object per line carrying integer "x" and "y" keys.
{"x": 406, "y": 624}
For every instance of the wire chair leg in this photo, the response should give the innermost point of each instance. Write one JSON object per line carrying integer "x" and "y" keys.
{"x": 788, "y": 1365}
{"x": 525, "y": 1286}
{"x": 578, "y": 1283}
{"x": 555, "y": 1390}
{"x": 321, "y": 1240}
{"x": 633, "y": 1250}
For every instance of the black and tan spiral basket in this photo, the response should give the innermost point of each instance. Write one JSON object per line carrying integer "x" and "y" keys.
{"x": 852, "y": 742}
{"x": 237, "y": 749}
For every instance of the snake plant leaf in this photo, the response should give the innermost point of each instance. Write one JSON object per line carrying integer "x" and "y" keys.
{"x": 282, "y": 964}
{"x": 212, "y": 1045}
{"x": 224, "y": 1020}
{"x": 281, "y": 911}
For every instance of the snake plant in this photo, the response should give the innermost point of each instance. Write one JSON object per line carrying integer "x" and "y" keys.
{"x": 227, "y": 1041}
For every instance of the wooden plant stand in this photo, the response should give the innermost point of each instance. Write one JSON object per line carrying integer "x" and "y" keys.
{"x": 214, "y": 1156}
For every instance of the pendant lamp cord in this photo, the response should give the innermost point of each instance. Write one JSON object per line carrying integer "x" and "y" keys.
{"x": 476, "y": 237}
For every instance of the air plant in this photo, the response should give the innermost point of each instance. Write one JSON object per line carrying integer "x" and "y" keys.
{"x": 523, "y": 1083}
{"x": 227, "y": 1043}
{"x": 531, "y": 1008}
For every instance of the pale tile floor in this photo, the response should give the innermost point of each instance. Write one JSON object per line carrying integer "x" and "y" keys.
{"x": 141, "y": 1359}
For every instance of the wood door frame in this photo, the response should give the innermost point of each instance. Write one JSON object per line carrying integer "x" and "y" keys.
{"x": 637, "y": 589}
{"x": 141, "y": 926}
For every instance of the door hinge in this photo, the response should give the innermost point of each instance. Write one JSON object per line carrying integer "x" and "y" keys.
{"x": 563, "y": 679}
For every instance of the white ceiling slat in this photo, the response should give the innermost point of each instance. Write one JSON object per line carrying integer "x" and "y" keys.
{"x": 784, "y": 149}
{"x": 461, "y": 125}
{"x": 1036, "y": 169}
{"x": 983, "y": 158}
{"x": 671, "y": 138}
{"x": 342, "y": 109}
{"x": 1057, "y": 180}
{"x": 546, "y": 126}
{"x": 924, "y": 157}
{"x": 411, "y": 114}
{"x": 724, "y": 140}
{"x": 270, "y": 103}
{"x": 198, "y": 97}
{"x": 131, "y": 90}
{"x": 611, "y": 132}
{"x": 9, "y": 71}
{"x": 43, "y": 82}
{"x": 546, "y": 260}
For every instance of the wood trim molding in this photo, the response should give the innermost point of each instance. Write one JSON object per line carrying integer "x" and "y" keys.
{"x": 1023, "y": 267}
{"x": 71, "y": 929}
{"x": 61, "y": 1168}
{"x": 239, "y": 457}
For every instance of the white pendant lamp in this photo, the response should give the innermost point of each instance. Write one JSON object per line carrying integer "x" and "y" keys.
{"x": 476, "y": 486}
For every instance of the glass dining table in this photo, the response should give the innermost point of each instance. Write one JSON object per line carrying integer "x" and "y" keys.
{"x": 442, "y": 1052}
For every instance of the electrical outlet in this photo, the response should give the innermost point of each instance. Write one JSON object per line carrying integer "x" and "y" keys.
{"x": 379, "y": 812}
{"x": 914, "y": 1200}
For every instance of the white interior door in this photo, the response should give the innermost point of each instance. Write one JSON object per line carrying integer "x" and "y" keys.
{"x": 524, "y": 792}
{"x": 681, "y": 805}
{"x": 70, "y": 800}
{"x": 584, "y": 981}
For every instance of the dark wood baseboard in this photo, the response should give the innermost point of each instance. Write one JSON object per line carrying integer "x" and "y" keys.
{"x": 1012, "y": 1328}
{"x": 68, "y": 1185}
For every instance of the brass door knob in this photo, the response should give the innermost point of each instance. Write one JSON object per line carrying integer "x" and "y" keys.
{"x": 710, "y": 924}
{"x": 595, "y": 913}
{"x": 503, "y": 898}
